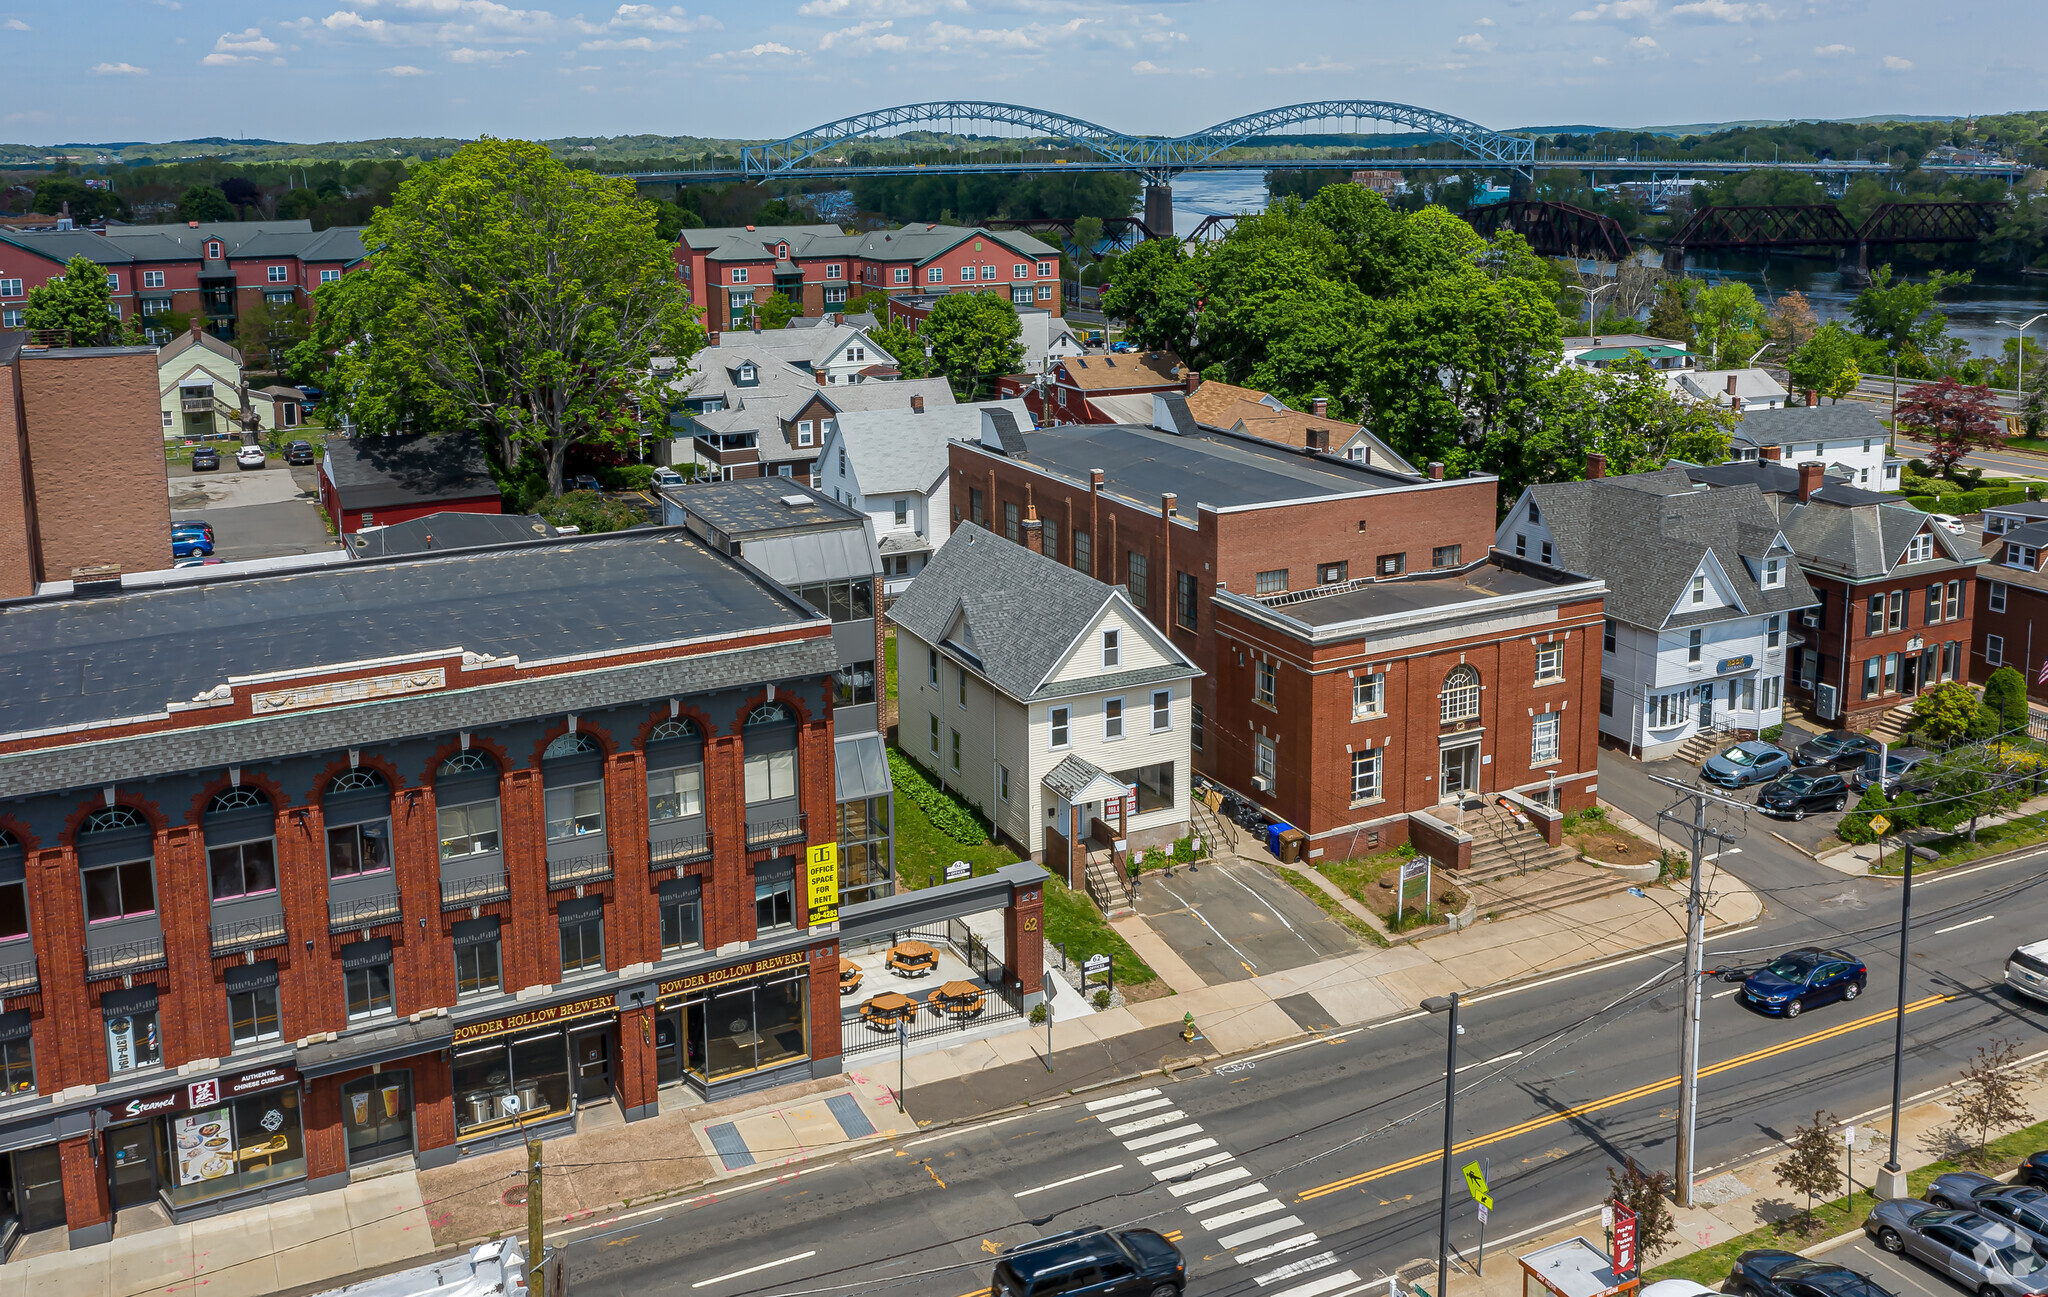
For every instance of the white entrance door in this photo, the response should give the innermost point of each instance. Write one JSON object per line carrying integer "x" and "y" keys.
{"x": 1459, "y": 766}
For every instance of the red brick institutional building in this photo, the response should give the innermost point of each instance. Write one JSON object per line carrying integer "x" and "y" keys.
{"x": 1365, "y": 659}
{"x": 298, "y": 888}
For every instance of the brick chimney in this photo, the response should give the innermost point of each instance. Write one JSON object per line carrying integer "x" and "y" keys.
{"x": 1436, "y": 470}
{"x": 1321, "y": 407}
{"x": 916, "y": 403}
{"x": 1812, "y": 476}
{"x": 1596, "y": 466}
{"x": 820, "y": 376}
{"x": 1192, "y": 379}
{"x": 1731, "y": 384}
{"x": 838, "y": 317}
{"x": 1034, "y": 527}
{"x": 1812, "y": 398}
{"x": 1772, "y": 453}
{"x": 1735, "y": 404}
{"x": 757, "y": 322}
{"x": 711, "y": 338}
{"x": 198, "y": 328}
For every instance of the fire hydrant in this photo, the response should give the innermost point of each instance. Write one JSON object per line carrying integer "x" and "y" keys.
{"x": 1187, "y": 1026}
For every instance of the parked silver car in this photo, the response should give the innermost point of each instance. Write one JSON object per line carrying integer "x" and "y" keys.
{"x": 1985, "y": 1256}
{"x": 1960, "y": 1188}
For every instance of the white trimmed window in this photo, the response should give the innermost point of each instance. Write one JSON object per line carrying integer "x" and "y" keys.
{"x": 1365, "y": 776}
{"x": 1774, "y": 573}
{"x": 330, "y": 276}
{"x": 1022, "y": 270}
{"x": 1994, "y": 595}
{"x": 1112, "y": 651}
{"x": 935, "y": 274}
{"x": 1044, "y": 269}
{"x": 1549, "y": 663}
{"x": 902, "y": 275}
{"x": 1264, "y": 682}
{"x": 1112, "y": 718}
{"x": 739, "y": 274}
{"x": 1059, "y": 718}
{"x": 1369, "y": 695}
{"x": 275, "y": 274}
{"x": 1162, "y": 710}
{"x": 1543, "y": 738}
{"x": 835, "y": 272}
{"x": 152, "y": 279}
{"x": 1460, "y": 695}
{"x": 1920, "y": 549}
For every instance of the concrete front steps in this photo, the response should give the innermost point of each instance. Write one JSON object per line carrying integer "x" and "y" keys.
{"x": 1569, "y": 881}
{"x": 1503, "y": 848}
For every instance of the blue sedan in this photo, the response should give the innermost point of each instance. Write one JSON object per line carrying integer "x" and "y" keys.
{"x": 1748, "y": 762}
{"x": 1799, "y": 979}
{"x": 191, "y": 544}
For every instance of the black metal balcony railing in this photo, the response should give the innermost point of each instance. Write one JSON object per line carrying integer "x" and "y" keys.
{"x": 593, "y": 868}
{"x": 126, "y": 957}
{"x": 460, "y": 893}
{"x": 768, "y": 833}
{"x": 678, "y": 851}
{"x": 19, "y": 978}
{"x": 343, "y": 916}
{"x": 248, "y": 934}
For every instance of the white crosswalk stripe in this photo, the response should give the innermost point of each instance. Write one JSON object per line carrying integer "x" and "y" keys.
{"x": 1179, "y": 1149}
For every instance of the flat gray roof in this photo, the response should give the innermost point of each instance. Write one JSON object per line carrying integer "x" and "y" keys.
{"x": 755, "y": 506}
{"x": 1418, "y": 594}
{"x": 72, "y": 661}
{"x": 1218, "y": 469}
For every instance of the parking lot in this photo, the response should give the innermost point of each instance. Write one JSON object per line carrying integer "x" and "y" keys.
{"x": 1807, "y": 834}
{"x": 1899, "y": 1274}
{"x": 1235, "y": 921}
{"x": 255, "y": 513}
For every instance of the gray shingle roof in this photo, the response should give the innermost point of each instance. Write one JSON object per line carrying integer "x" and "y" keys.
{"x": 1828, "y": 421}
{"x": 123, "y": 244}
{"x": 1856, "y": 535}
{"x": 1646, "y": 535}
{"x": 1072, "y": 777}
{"x": 897, "y": 449}
{"x": 383, "y": 472}
{"x": 440, "y": 532}
{"x": 911, "y": 243}
{"x": 1023, "y": 612}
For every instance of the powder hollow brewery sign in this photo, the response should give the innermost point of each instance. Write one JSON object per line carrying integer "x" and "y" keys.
{"x": 536, "y": 1018}
{"x": 713, "y": 976}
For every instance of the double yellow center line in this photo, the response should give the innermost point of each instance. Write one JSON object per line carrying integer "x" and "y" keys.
{"x": 1625, "y": 1096}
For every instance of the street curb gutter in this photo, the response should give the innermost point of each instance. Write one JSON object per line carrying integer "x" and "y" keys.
{"x": 1795, "y": 846}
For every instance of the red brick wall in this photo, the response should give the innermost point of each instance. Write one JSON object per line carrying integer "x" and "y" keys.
{"x": 2023, "y": 625}
{"x": 1845, "y": 667}
{"x": 17, "y": 512}
{"x": 96, "y": 457}
{"x": 351, "y": 520}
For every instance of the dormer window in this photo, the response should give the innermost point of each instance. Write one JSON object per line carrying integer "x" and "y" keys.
{"x": 213, "y": 251}
{"x": 782, "y": 250}
{"x": 2021, "y": 556}
{"x": 1699, "y": 590}
{"x": 1774, "y": 573}
{"x": 1920, "y": 548}
{"x": 1535, "y": 514}
{"x": 748, "y": 374}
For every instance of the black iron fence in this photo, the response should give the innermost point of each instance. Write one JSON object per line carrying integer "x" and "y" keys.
{"x": 1001, "y": 1002}
{"x": 461, "y": 893}
{"x": 127, "y": 957}
{"x": 571, "y": 870}
{"x": 679, "y": 851}
{"x": 767, "y": 833}
{"x": 343, "y": 916}
{"x": 248, "y": 934}
{"x": 19, "y": 978}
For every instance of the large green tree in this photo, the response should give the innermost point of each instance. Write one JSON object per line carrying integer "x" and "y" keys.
{"x": 77, "y": 302}
{"x": 1827, "y": 364}
{"x": 905, "y": 346}
{"x": 511, "y": 297}
{"x": 975, "y": 338}
{"x": 58, "y": 193}
{"x": 205, "y": 203}
{"x": 1901, "y": 316}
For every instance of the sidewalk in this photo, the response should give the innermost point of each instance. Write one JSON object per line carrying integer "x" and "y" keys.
{"x": 1858, "y": 860}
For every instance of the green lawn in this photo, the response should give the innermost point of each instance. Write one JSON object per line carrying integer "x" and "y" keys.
{"x": 1712, "y": 1265}
{"x": 889, "y": 658}
{"x": 923, "y": 852}
{"x": 1957, "y": 849}
{"x": 1329, "y": 905}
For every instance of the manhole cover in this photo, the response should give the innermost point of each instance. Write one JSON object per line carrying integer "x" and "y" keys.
{"x": 515, "y": 1196}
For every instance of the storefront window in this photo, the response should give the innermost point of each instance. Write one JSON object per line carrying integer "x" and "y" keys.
{"x": 747, "y": 1025}
{"x": 133, "y": 1042}
{"x": 682, "y": 915}
{"x": 1155, "y": 786}
{"x": 532, "y": 1072}
{"x": 253, "y": 1141}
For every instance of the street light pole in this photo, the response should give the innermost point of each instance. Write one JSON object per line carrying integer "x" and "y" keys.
{"x": 1590, "y": 294}
{"x": 2019, "y": 382}
{"x": 1891, "y": 1181}
{"x": 1440, "y": 1004}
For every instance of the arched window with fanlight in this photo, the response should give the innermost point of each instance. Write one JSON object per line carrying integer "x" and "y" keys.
{"x": 241, "y": 845}
{"x": 116, "y": 859}
{"x": 356, "y": 808}
{"x": 123, "y": 934}
{"x": 771, "y": 767}
{"x": 1461, "y": 694}
{"x": 468, "y": 825}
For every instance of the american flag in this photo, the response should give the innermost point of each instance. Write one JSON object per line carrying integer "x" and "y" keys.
{"x": 2041, "y": 677}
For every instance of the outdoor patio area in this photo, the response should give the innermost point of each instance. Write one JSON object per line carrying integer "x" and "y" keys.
{"x": 941, "y": 983}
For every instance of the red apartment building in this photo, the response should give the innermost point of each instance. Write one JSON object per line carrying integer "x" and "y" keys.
{"x": 280, "y": 887}
{"x": 2012, "y": 593}
{"x": 728, "y": 270}
{"x": 1287, "y": 575}
{"x": 1091, "y": 389}
{"x": 206, "y": 271}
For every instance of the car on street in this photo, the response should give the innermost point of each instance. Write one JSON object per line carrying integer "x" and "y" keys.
{"x": 666, "y": 478}
{"x": 1899, "y": 765}
{"x": 1748, "y": 762}
{"x": 584, "y": 482}
{"x": 1770, "y": 1272}
{"x": 205, "y": 458}
{"x": 1800, "y": 792}
{"x": 200, "y": 525}
{"x": 300, "y": 452}
{"x": 190, "y": 544}
{"x": 1982, "y": 1255}
{"x": 1838, "y": 749}
{"x": 1800, "y": 979}
{"x": 2026, "y": 971}
{"x": 1099, "y": 1262}
{"x": 251, "y": 457}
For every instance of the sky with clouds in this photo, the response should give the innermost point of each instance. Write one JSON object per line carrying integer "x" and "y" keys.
{"x": 107, "y": 70}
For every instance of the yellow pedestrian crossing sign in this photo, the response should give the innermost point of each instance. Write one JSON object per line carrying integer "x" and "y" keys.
{"x": 1879, "y": 825}
{"x": 1475, "y": 1184}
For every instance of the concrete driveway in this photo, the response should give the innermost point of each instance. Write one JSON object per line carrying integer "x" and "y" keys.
{"x": 255, "y": 513}
{"x": 1236, "y": 921}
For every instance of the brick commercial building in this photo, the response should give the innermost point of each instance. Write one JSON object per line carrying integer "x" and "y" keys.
{"x": 82, "y": 478}
{"x": 730, "y": 270}
{"x": 207, "y": 271}
{"x": 1175, "y": 516}
{"x": 1896, "y": 593}
{"x": 1351, "y": 706}
{"x": 277, "y": 902}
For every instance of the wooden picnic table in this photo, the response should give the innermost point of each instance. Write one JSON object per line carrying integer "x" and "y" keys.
{"x": 850, "y": 979}
{"x": 912, "y": 958}
{"x": 887, "y": 1009}
{"x": 961, "y": 999}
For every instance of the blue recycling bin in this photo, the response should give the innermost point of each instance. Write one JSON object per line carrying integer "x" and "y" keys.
{"x": 1273, "y": 832}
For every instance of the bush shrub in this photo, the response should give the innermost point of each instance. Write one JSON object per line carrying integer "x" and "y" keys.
{"x": 1101, "y": 998}
{"x": 1772, "y": 733}
{"x": 2011, "y": 495}
{"x": 1039, "y": 1013}
{"x": 937, "y": 804}
{"x": 626, "y": 477}
{"x": 1925, "y": 503}
{"x": 1971, "y": 501}
{"x": 589, "y": 512}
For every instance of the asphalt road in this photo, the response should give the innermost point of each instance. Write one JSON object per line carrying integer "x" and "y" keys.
{"x": 2004, "y": 463}
{"x": 1336, "y": 1138}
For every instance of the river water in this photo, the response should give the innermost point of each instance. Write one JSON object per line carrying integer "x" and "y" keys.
{"x": 1973, "y": 309}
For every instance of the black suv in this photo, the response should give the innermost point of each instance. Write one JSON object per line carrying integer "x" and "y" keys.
{"x": 205, "y": 457}
{"x": 1809, "y": 788}
{"x": 1097, "y": 1262}
{"x": 299, "y": 452}
{"x": 1837, "y": 749}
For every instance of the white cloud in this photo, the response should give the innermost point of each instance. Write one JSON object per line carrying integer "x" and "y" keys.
{"x": 1727, "y": 11}
{"x": 1476, "y": 43}
{"x": 404, "y": 70}
{"x": 629, "y": 43}
{"x": 1893, "y": 63}
{"x": 672, "y": 19}
{"x": 16, "y": 25}
{"x": 35, "y": 115}
{"x": 1834, "y": 51}
{"x": 1645, "y": 46}
{"x": 252, "y": 41}
{"x": 442, "y": 22}
{"x": 765, "y": 50}
{"x": 1164, "y": 38}
{"x": 1483, "y": 22}
{"x": 467, "y": 55}
{"x": 1323, "y": 64}
{"x": 119, "y": 70}
{"x": 1620, "y": 11}
{"x": 881, "y": 37}
{"x": 1147, "y": 68}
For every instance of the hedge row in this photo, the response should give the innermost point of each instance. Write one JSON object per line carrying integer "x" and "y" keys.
{"x": 936, "y": 803}
{"x": 1963, "y": 502}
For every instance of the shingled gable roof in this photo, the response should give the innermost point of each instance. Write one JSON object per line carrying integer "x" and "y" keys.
{"x": 1648, "y": 534}
{"x": 1015, "y": 616}
{"x": 1854, "y": 534}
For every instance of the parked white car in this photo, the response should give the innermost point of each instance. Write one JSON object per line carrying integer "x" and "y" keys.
{"x": 2026, "y": 971}
{"x": 251, "y": 457}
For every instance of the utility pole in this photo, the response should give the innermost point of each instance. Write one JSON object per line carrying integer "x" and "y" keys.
{"x": 536, "y": 1273}
{"x": 1891, "y": 1181}
{"x": 1440, "y": 1004}
{"x": 1697, "y": 832}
